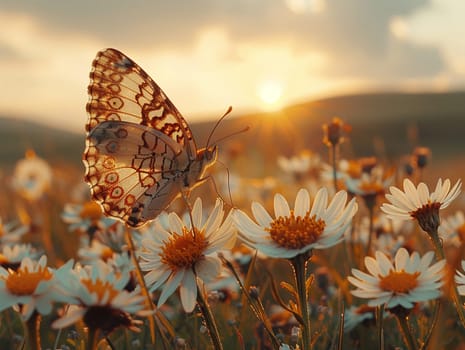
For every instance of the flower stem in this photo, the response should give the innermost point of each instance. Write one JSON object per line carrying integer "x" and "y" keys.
{"x": 406, "y": 332}
{"x": 370, "y": 229}
{"x": 379, "y": 325}
{"x": 334, "y": 164}
{"x": 33, "y": 331}
{"x": 92, "y": 338}
{"x": 299, "y": 264}
{"x": 208, "y": 317}
{"x": 453, "y": 287}
{"x": 140, "y": 278}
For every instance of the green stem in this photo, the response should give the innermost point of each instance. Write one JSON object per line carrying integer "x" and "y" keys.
{"x": 299, "y": 264}
{"x": 254, "y": 304}
{"x": 334, "y": 164}
{"x": 370, "y": 229}
{"x": 208, "y": 318}
{"x": 92, "y": 338}
{"x": 141, "y": 280}
{"x": 453, "y": 290}
{"x": 379, "y": 325}
{"x": 436, "y": 308}
{"x": 33, "y": 331}
{"x": 406, "y": 332}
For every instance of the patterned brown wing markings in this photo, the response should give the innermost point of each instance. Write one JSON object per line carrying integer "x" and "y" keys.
{"x": 125, "y": 161}
{"x": 142, "y": 99}
{"x": 140, "y": 152}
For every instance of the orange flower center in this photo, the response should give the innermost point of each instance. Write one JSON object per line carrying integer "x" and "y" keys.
{"x": 399, "y": 281}
{"x": 371, "y": 187}
{"x": 91, "y": 210}
{"x": 296, "y": 232}
{"x": 23, "y": 282}
{"x": 100, "y": 288}
{"x": 3, "y": 259}
{"x": 184, "y": 250}
{"x": 106, "y": 253}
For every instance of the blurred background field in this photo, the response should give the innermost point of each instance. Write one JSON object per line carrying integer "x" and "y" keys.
{"x": 386, "y": 125}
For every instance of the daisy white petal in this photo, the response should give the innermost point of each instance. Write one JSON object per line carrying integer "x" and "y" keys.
{"x": 409, "y": 280}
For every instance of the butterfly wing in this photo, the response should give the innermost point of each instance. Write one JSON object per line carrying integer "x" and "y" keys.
{"x": 121, "y": 90}
{"x": 136, "y": 141}
{"x": 132, "y": 170}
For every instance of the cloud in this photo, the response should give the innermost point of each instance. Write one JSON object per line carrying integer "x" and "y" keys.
{"x": 355, "y": 33}
{"x": 211, "y": 50}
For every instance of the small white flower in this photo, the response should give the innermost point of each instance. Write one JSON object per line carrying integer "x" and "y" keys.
{"x": 418, "y": 203}
{"x": 11, "y": 232}
{"x": 452, "y": 229}
{"x": 176, "y": 256}
{"x": 100, "y": 298}
{"x": 33, "y": 286}
{"x": 409, "y": 280}
{"x": 86, "y": 218}
{"x": 12, "y": 255}
{"x": 32, "y": 176}
{"x": 358, "y": 314}
{"x": 460, "y": 280}
{"x": 309, "y": 226}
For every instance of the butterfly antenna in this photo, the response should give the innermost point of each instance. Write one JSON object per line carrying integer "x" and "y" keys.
{"x": 216, "y": 125}
{"x": 247, "y": 128}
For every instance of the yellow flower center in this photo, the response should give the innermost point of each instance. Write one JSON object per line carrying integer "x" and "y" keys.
{"x": 23, "y": 282}
{"x": 100, "y": 288}
{"x": 3, "y": 259}
{"x": 354, "y": 170}
{"x": 91, "y": 210}
{"x": 399, "y": 281}
{"x": 296, "y": 232}
{"x": 371, "y": 187}
{"x": 184, "y": 250}
{"x": 106, "y": 253}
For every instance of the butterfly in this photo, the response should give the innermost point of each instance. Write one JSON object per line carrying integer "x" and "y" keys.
{"x": 140, "y": 152}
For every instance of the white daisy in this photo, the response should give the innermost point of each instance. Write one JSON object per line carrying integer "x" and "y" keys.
{"x": 174, "y": 257}
{"x": 86, "y": 218}
{"x": 33, "y": 286}
{"x": 11, "y": 232}
{"x": 417, "y": 203}
{"x": 100, "y": 299}
{"x": 298, "y": 166}
{"x": 356, "y": 315}
{"x": 371, "y": 183}
{"x": 12, "y": 255}
{"x": 460, "y": 280}
{"x": 452, "y": 229}
{"x": 309, "y": 226}
{"x": 32, "y": 176}
{"x": 409, "y": 280}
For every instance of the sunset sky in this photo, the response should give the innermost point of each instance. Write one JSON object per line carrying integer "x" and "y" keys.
{"x": 209, "y": 54}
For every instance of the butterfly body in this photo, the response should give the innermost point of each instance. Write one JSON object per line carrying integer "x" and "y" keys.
{"x": 140, "y": 153}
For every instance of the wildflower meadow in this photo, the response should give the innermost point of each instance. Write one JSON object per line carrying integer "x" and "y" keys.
{"x": 333, "y": 253}
{"x": 155, "y": 244}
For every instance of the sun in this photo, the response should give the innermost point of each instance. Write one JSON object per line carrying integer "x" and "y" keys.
{"x": 270, "y": 93}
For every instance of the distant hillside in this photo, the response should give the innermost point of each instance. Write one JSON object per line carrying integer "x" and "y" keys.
{"x": 388, "y": 124}
{"x": 16, "y": 136}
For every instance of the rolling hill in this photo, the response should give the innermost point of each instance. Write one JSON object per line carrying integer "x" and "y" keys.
{"x": 385, "y": 124}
